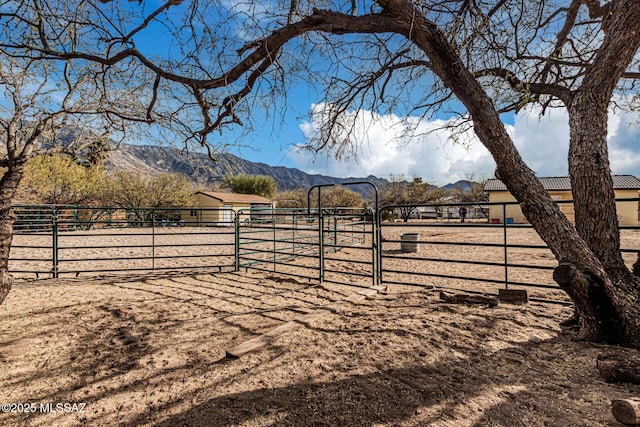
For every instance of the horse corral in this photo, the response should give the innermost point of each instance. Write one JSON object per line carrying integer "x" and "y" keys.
{"x": 152, "y": 348}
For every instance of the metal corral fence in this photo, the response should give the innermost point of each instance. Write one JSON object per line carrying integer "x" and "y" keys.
{"x": 55, "y": 241}
{"x": 334, "y": 245}
{"x": 358, "y": 247}
{"x": 58, "y": 241}
{"x": 480, "y": 254}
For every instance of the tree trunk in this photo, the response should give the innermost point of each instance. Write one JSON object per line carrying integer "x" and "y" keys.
{"x": 592, "y": 271}
{"x": 8, "y": 186}
{"x": 609, "y": 300}
{"x": 606, "y": 302}
{"x": 591, "y": 181}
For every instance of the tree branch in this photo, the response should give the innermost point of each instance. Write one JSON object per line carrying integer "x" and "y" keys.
{"x": 150, "y": 18}
{"x": 320, "y": 20}
{"x": 526, "y": 88}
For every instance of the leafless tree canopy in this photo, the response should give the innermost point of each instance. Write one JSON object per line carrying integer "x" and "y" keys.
{"x": 205, "y": 65}
{"x": 201, "y": 66}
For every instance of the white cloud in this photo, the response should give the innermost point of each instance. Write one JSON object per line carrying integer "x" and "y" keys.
{"x": 384, "y": 147}
{"x": 624, "y": 143}
{"x": 543, "y": 142}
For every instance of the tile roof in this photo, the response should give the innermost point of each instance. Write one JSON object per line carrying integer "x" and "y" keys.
{"x": 562, "y": 183}
{"x": 235, "y": 197}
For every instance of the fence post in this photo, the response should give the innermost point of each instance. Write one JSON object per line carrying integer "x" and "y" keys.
{"x": 273, "y": 226}
{"x": 504, "y": 239}
{"x": 335, "y": 231}
{"x": 153, "y": 239}
{"x": 54, "y": 232}
{"x": 236, "y": 245}
{"x": 374, "y": 249}
{"x": 294, "y": 223}
{"x": 320, "y": 242}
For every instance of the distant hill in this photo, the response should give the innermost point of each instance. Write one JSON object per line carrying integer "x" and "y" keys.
{"x": 463, "y": 183}
{"x": 151, "y": 159}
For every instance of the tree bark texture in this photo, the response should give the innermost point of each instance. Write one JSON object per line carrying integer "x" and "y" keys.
{"x": 8, "y": 186}
{"x": 589, "y": 168}
{"x": 611, "y": 298}
{"x": 604, "y": 291}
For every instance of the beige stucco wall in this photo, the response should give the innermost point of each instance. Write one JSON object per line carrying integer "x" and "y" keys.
{"x": 209, "y": 217}
{"x": 238, "y": 207}
{"x": 510, "y": 211}
{"x": 627, "y": 211}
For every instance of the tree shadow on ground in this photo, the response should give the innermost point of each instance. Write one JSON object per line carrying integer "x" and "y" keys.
{"x": 528, "y": 383}
{"x": 395, "y": 361}
{"x": 487, "y": 389}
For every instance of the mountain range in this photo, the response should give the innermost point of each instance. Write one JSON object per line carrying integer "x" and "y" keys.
{"x": 153, "y": 159}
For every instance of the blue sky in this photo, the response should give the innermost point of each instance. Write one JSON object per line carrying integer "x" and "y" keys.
{"x": 381, "y": 142}
{"x": 384, "y": 148}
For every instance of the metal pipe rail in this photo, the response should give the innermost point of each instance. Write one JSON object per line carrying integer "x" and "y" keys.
{"x": 295, "y": 238}
{"x": 120, "y": 240}
{"x": 498, "y": 256}
{"x": 340, "y": 245}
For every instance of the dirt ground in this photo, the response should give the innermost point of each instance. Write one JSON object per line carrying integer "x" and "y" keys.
{"x": 150, "y": 350}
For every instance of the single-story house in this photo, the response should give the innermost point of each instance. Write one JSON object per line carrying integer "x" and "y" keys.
{"x": 625, "y": 187}
{"x": 218, "y": 208}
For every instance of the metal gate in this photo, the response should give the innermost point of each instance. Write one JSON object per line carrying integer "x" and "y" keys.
{"x": 335, "y": 244}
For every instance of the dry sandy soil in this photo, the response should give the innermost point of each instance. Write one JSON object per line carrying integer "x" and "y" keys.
{"x": 150, "y": 350}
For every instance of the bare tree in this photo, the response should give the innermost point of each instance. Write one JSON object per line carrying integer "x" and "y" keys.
{"x": 52, "y": 106}
{"x": 477, "y": 58}
{"x": 35, "y": 111}
{"x": 409, "y": 194}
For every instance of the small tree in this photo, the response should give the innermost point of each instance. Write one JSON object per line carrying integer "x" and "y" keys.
{"x": 409, "y": 194}
{"x": 341, "y": 197}
{"x": 473, "y": 193}
{"x": 291, "y": 199}
{"x": 58, "y": 180}
{"x": 332, "y": 197}
{"x": 261, "y": 185}
{"x": 135, "y": 191}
